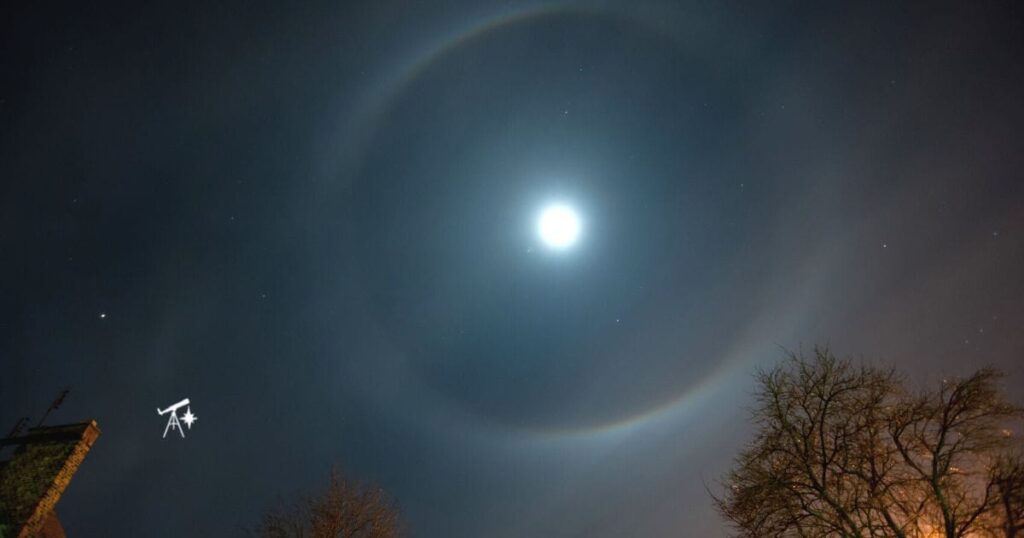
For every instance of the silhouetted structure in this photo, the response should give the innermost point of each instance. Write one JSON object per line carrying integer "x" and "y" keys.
{"x": 35, "y": 476}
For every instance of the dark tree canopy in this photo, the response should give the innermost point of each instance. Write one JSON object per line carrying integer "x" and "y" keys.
{"x": 850, "y": 451}
{"x": 1009, "y": 480}
{"x": 344, "y": 509}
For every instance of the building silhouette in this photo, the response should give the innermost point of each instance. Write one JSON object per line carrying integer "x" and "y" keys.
{"x": 35, "y": 475}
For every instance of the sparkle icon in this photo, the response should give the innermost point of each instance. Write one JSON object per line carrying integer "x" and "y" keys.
{"x": 188, "y": 418}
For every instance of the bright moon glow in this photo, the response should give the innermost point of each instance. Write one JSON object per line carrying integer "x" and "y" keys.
{"x": 558, "y": 226}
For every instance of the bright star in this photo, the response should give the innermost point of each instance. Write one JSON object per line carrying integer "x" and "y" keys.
{"x": 558, "y": 226}
{"x": 188, "y": 418}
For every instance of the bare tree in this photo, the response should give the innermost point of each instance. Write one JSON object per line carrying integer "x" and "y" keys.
{"x": 948, "y": 441}
{"x": 1008, "y": 475}
{"x": 847, "y": 451}
{"x": 345, "y": 509}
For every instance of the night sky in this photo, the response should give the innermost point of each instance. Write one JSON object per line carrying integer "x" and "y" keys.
{"x": 318, "y": 224}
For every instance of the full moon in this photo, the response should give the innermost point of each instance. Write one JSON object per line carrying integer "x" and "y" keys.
{"x": 558, "y": 226}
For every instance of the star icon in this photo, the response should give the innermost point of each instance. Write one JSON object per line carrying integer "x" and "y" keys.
{"x": 188, "y": 418}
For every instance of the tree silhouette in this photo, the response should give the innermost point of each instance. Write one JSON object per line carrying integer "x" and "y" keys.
{"x": 848, "y": 451}
{"x": 1008, "y": 519}
{"x": 345, "y": 509}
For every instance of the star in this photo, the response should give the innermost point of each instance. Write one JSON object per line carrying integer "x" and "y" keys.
{"x": 188, "y": 418}
{"x": 103, "y": 315}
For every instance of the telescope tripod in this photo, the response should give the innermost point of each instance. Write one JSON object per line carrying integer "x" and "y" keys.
{"x": 173, "y": 423}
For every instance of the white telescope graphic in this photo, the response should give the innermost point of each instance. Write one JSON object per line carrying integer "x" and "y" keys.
{"x": 173, "y": 423}
{"x": 174, "y": 407}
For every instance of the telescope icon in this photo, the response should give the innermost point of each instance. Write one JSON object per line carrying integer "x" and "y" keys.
{"x": 172, "y": 423}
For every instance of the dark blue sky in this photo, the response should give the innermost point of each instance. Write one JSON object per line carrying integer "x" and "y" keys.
{"x": 316, "y": 222}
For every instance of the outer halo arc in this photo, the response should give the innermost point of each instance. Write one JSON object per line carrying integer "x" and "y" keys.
{"x": 376, "y": 103}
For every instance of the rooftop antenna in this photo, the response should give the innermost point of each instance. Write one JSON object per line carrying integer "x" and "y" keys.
{"x": 16, "y": 430}
{"x": 172, "y": 422}
{"x": 18, "y": 426}
{"x": 55, "y": 405}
